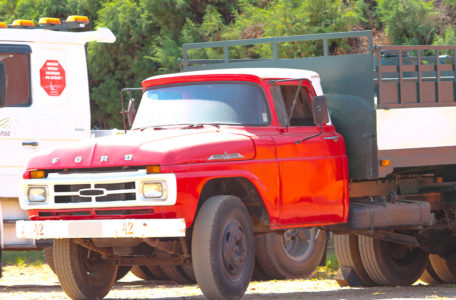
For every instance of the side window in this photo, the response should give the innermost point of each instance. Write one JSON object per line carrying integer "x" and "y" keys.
{"x": 17, "y": 69}
{"x": 283, "y": 101}
{"x": 279, "y": 104}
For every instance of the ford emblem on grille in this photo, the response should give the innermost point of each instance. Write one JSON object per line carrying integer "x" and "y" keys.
{"x": 92, "y": 192}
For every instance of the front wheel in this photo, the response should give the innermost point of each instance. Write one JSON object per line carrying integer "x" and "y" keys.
{"x": 223, "y": 253}
{"x": 83, "y": 274}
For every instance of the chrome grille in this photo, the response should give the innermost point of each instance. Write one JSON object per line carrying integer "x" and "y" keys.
{"x": 100, "y": 192}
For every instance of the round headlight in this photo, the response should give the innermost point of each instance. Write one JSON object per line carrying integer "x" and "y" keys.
{"x": 153, "y": 190}
{"x": 37, "y": 194}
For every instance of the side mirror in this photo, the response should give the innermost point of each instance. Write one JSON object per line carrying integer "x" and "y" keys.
{"x": 131, "y": 112}
{"x": 320, "y": 110}
{"x": 2, "y": 85}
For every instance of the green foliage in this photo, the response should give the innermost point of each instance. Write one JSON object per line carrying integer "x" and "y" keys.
{"x": 447, "y": 38}
{"x": 408, "y": 21}
{"x": 289, "y": 17}
{"x": 122, "y": 64}
{"x": 23, "y": 258}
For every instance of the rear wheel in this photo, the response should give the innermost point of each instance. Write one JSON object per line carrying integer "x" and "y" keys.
{"x": 429, "y": 275}
{"x": 188, "y": 269}
{"x": 295, "y": 253}
{"x": 157, "y": 272}
{"x": 177, "y": 274}
{"x": 259, "y": 274}
{"x": 142, "y": 272}
{"x": 389, "y": 263}
{"x": 444, "y": 268}
{"x": 223, "y": 248}
{"x": 174, "y": 272}
{"x": 83, "y": 274}
{"x": 150, "y": 272}
{"x": 347, "y": 253}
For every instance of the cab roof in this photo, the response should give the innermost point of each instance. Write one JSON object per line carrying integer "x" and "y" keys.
{"x": 101, "y": 35}
{"x": 263, "y": 73}
{"x": 229, "y": 74}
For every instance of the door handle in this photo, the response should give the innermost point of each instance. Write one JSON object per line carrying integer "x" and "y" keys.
{"x": 334, "y": 138}
{"x": 30, "y": 144}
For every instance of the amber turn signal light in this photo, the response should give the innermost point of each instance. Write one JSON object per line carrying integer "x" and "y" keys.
{"x": 153, "y": 169}
{"x": 385, "y": 162}
{"x": 34, "y": 174}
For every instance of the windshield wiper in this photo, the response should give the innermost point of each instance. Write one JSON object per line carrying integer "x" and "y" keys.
{"x": 199, "y": 125}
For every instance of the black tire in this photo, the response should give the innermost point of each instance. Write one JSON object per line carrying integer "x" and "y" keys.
{"x": 177, "y": 274}
{"x": 174, "y": 272}
{"x": 259, "y": 274}
{"x": 157, "y": 272}
{"x": 429, "y": 276}
{"x": 48, "y": 254}
{"x": 150, "y": 272}
{"x": 142, "y": 272}
{"x": 347, "y": 253}
{"x": 122, "y": 271}
{"x": 223, "y": 249}
{"x": 388, "y": 263}
{"x": 445, "y": 269}
{"x": 188, "y": 269}
{"x": 296, "y": 256}
{"x": 83, "y": 274}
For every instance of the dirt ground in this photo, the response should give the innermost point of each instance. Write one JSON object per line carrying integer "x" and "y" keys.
{"x": 38, "y": 282}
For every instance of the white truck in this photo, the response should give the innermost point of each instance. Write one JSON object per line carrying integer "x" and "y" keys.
{"x": 44, "y": 103}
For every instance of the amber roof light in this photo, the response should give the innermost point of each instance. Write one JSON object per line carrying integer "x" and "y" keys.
{"x": 50, "y": 21}
{"x": 23, "y": 23}
{"x": 77, "y": 19}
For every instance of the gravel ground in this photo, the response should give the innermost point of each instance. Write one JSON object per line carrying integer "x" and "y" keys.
{"x": 38, "y": 282}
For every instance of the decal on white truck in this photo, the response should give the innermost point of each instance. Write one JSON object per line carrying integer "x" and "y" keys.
{"x": 52, "y": 78}
{"x": 7, "y": 126}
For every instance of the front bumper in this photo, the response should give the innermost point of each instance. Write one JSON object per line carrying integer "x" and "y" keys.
{"x": 132, "y": 228}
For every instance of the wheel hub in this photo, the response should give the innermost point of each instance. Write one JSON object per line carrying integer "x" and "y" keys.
{"x": 299, "y": 243}
{"x": 234, "y": 248}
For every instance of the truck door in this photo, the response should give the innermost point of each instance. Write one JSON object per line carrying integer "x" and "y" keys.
{"x": 311, "y": 171}
{"x": 14, "y": 144}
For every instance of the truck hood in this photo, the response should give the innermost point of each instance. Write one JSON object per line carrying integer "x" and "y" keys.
{"x": 150, "y": 147}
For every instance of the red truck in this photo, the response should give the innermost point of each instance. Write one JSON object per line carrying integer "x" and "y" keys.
{"x": 251, "y": 148}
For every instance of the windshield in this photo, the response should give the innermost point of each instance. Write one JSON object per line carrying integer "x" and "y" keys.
{"x": 210, "y": 103}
